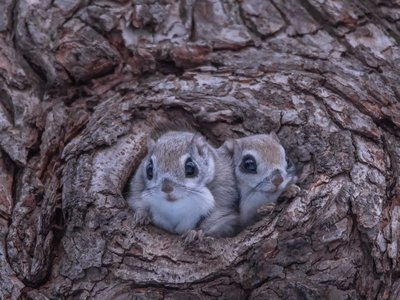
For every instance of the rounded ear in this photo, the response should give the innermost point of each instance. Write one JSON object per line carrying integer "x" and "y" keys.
{"x": 150, "y": 144}
{"x": 229, "y": 146}
{"x": 199, "y": 145}
{"x": 233, "y": 148}
{"x": 274, "y": 136}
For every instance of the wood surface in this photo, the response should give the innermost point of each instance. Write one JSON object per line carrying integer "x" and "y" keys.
{"x": 82, "y": 83}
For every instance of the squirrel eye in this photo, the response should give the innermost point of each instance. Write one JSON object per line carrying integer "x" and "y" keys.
{"x": 190, "y": 168}
{"x": 149, "y": 170}
{"x": 248, "y": 164}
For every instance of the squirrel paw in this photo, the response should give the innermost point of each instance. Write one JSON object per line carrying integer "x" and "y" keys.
{"x": 192, "y": 235}
{"x": 141, "y": 218}
{"x": 209, "y": 238}
{"x": 291, "y": 191}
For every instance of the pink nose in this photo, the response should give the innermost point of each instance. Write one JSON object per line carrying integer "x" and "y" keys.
{"x": 277, "y": 179}
{"x": 167, "y": 187}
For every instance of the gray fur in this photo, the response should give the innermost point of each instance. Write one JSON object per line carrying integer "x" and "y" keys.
{"x": 272, "y": 177}
{"x": 224, "y": 219}
{"x": 216, "y": 185}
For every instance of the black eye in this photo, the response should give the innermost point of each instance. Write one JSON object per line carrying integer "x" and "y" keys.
{"x": 190, "y": 168}
{"x": 248, "y": 164}
{"x": 149, "y": 170}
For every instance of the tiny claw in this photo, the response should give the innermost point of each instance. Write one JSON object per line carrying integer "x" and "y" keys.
{"x": 141, "y": 218}
{"x": 192, "y": 235}
{"x": 291, "y": 191}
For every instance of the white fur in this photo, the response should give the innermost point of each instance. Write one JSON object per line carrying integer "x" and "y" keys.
{"x": 252, "y": 200}
{"x": 211, "y": 193}
{"x": 182, "y": 214}
{"x": 258, "y": 189}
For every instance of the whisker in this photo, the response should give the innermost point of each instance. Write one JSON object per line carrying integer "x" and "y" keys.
{"x": 191, "y": 189}
{"x": 149, "y": 191}
{"x": 194, "y": 191}
{"x": 255, "y": 189}
{"x": 258, "y": 186}
{"x": 250, "y": 195}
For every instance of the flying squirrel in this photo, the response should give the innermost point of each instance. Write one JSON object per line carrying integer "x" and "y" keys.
{"x": 262, "y": 172}
{"x": 185, "y": 186}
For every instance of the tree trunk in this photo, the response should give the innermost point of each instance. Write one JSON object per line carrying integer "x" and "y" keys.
{"x": 83, "y": 82}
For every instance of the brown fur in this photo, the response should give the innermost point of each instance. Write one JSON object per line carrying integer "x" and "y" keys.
{"x": 266, "y": 145}
{"x": 167, "y": 151}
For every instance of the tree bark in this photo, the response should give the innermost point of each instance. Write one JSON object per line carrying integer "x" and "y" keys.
{"x": 82, "y": 84}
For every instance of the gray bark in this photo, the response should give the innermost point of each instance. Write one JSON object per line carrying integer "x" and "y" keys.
{"x": 83, "y": 82}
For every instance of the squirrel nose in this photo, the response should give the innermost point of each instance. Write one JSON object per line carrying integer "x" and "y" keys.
{"x": 277, "y": 178}
{"x": 166, "y": 186}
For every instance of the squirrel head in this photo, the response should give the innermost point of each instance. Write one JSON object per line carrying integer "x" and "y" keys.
{"x": 177, "y": 164}
{"x": 260, "y": 164}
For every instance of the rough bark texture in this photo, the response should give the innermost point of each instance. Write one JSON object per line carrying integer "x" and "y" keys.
{"x": 83, "y": 82}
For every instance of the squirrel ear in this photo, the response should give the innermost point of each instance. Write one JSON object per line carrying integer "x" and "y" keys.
{"x": 150, "y": 144}
{"x": 274, "y": 136}
{"x": 233, "y": 148}
{"x": 230, "y": 146}
{"x": 199, "y": 144}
